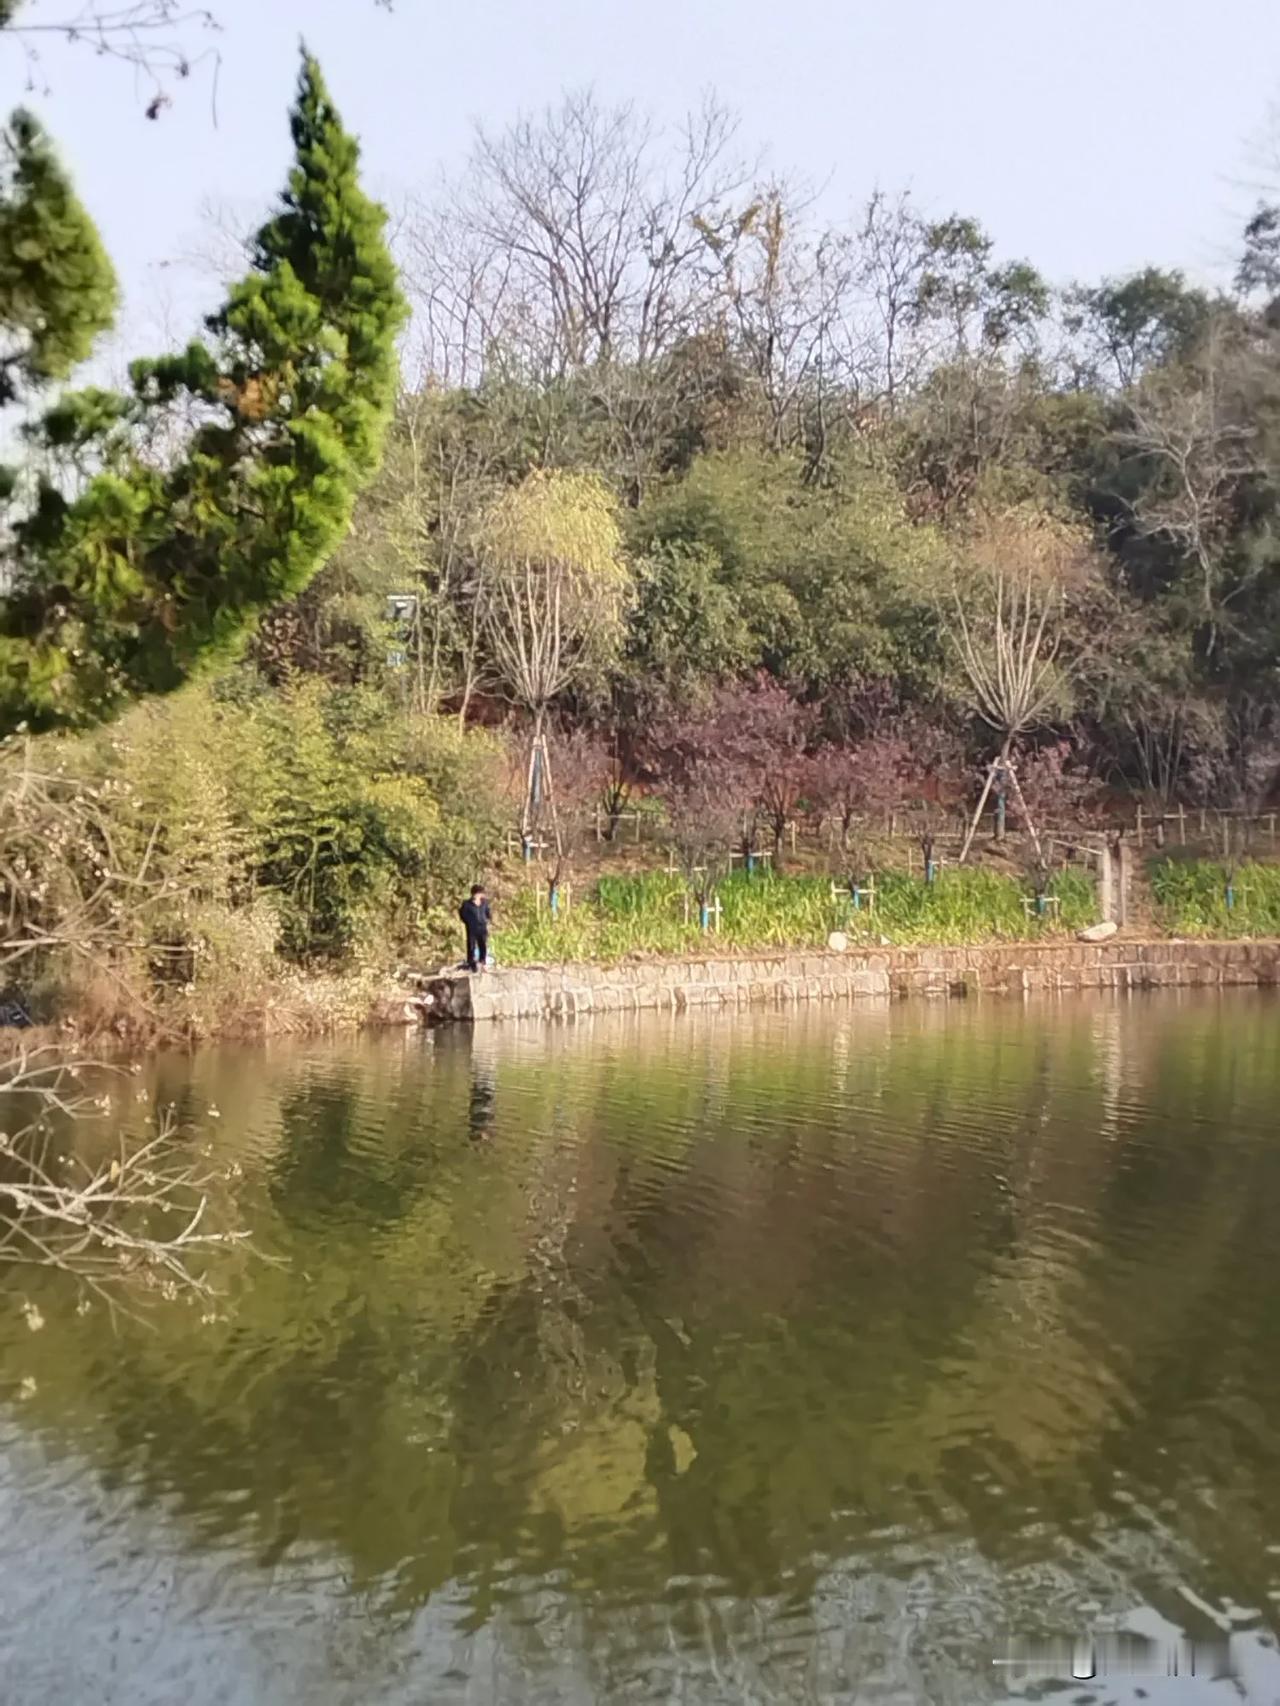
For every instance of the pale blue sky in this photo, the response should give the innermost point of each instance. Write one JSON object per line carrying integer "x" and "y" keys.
{"x": 1090, "y": 136}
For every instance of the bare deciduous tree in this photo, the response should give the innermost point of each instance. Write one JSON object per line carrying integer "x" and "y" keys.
{"x": 441, "y": 466}
{"x": 571, "y": 241}
{"x": 786, "y": 290}
{"x": 1190, "y": 425}
{"x": 582, "y": 766}
{"x": 67, "y": 884}
{"x": 1008, "y": 623}
{"x": 69, "y": 888}
{"x": 164, "y": 41}
{"x": 892, "y": 250}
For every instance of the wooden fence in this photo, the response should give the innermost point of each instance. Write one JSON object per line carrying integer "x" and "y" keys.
{"x": 1212, "y": 831}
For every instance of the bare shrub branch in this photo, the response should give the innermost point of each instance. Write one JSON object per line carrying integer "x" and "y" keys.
{"x": 139, "y": 1218}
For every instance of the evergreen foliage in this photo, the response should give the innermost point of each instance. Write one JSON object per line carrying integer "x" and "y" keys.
{"x": 57, "y": 287}
{"x": 822, "y": 585}
{"x": 127, "y": 583}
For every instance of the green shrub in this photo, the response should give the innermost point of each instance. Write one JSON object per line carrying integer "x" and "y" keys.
{"x": 1191, "y": 897}
{"x": 179, "y": 863}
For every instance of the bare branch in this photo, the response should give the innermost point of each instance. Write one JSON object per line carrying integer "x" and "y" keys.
{"x": 139, "y": 1218}
{"x": 1194, "y": 427}
{"x": 151, "y": 36}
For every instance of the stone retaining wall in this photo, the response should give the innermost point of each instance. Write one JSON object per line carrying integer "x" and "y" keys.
{"x": 563, "y": 991}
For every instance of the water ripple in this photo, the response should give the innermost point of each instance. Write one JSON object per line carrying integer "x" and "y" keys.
{"x": 716, "y": 1357}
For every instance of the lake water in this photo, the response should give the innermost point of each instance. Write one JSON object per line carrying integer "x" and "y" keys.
{"x": 821, "y": 1355}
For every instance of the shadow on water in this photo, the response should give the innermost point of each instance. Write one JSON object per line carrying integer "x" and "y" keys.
{"x": 774, "y": 1356}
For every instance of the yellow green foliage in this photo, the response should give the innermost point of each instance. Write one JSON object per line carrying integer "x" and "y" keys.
{"x": 189, "y": 855}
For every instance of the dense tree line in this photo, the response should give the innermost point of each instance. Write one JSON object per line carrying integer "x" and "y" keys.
{"x": 687, "y": 489}
{"x": 834, "y": 451}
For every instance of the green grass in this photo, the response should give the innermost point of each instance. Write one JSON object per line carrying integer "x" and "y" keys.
{"x": 1191, "y": 898}
{"x": 646, "y": 915}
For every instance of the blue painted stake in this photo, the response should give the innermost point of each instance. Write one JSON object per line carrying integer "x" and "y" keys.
{"x": 526, "y": 848}
{"x": 555, "y": 900}
{"x": 1231, "y": 896}
{"x": 1040, "y": 906}
{"x": 704, "y": 915}
{"x": 751, "y": 864}
{"x": 857, "y": 898}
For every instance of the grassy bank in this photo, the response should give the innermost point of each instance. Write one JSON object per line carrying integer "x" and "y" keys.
{"x": 653, "y": 915}
{"x": 1201, "y": 897}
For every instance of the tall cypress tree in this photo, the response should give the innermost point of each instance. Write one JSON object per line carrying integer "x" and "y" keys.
{"x": 127, "y": 582}
{"x": 57, "y": 287}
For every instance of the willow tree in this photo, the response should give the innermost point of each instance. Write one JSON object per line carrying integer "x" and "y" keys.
{"x": 1024, "y": 599}
{"x": 554, "y": 590}
{"x": 148, "y": 531}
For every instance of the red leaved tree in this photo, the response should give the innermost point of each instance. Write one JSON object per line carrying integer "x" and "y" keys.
{"x": 705, "y": 809}
{"x": 1059, "y": 787}
{"x": 1057, "y": 790}
{"x": 935, "y": 782}
{"x": 757, "y": 736}
{"x": 857, "y": 784}
{"x": 708, "y": 785}
{"x": 582, "y": 764}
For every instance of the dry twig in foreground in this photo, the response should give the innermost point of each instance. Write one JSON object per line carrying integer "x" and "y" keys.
{"x": 141, "y": 1214}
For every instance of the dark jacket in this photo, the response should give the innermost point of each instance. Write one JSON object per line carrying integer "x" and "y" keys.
{"x": 475, "y": 915}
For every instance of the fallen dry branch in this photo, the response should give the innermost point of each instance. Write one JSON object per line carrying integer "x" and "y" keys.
{"x": 141, "y": 1216}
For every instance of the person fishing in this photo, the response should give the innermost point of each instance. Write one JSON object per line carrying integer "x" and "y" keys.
{"x": 476, "y": 916}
